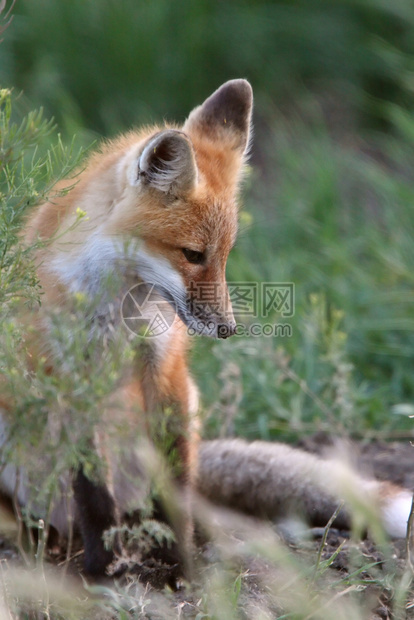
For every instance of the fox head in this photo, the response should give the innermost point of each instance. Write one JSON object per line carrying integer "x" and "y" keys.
{"x": 162, "y": 201}
{"x": 184, "y": 183}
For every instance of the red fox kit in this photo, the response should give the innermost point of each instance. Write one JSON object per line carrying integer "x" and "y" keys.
{"x": 161, "y": 207}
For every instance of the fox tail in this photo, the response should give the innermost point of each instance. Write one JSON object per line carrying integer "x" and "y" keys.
{"x": 275, "y": 481}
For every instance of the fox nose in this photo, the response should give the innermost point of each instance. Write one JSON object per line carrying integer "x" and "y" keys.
{"x": 225, "y": 330}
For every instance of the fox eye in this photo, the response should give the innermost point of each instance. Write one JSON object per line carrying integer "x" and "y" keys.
{"x": 193, "y": 256}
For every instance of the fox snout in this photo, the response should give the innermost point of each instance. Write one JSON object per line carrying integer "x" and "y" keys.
{"x": 225, "y": 330}
{"x": 214, "y": 327}
{"x": 210, "y": 315}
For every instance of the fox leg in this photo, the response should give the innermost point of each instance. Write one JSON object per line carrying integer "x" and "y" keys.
{"x": 171, "y": 428}
{"x": 96, "y": 509}
{"x": 96, "y": 513}
{"x": 99, "y": 501}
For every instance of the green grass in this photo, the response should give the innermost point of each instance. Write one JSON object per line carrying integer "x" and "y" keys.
{"x": 337, "y": 222}
{"x": 105, "y": 66}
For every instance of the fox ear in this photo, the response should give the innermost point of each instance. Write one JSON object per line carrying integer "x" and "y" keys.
{"x": 167, "y": 163}
{"x": 225, "y": 114}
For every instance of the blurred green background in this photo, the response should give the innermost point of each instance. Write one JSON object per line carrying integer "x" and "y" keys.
{"x": 328, "y": 203}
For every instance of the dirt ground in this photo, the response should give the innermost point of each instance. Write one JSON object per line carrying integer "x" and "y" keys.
{"x": 386, "y": 461}
{"x": 393, "y": 461}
